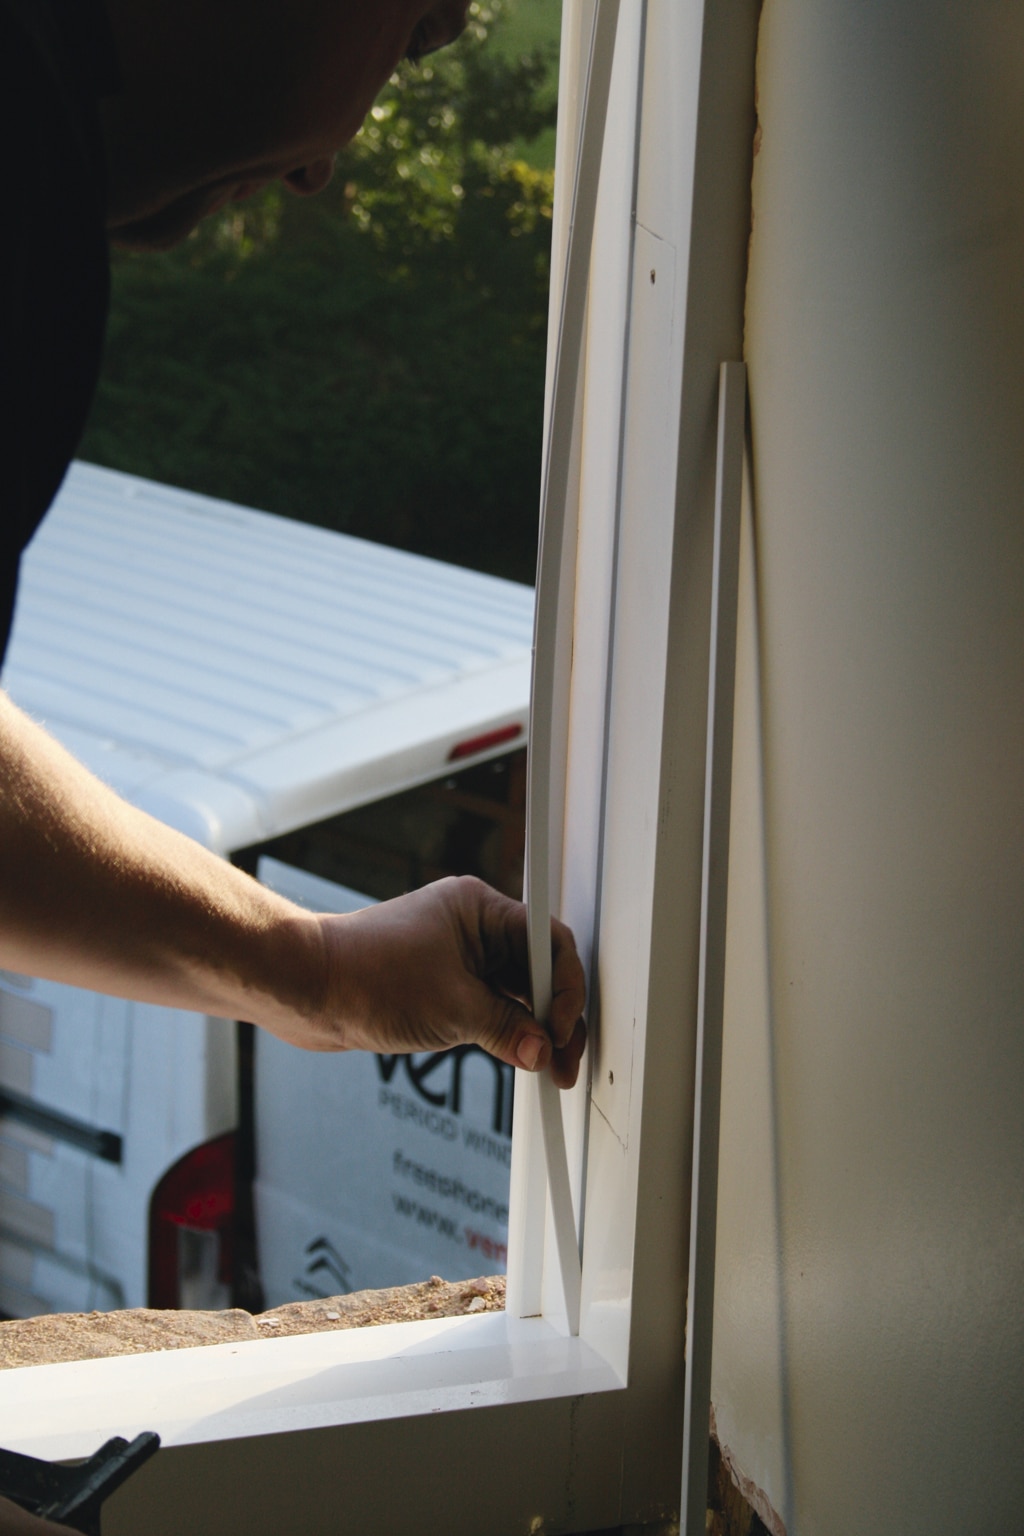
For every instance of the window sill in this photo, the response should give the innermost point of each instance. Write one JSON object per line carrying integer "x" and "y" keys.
{"x": 274, "y": 1386}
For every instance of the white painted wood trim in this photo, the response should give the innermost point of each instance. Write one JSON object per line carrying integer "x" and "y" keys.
{"x": 273, "y": 1386}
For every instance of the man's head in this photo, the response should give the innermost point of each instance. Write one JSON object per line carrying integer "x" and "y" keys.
{"x": 223, "y": 96}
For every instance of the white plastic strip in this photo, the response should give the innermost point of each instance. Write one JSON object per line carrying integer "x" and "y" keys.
{"x": 551, "y": 661}
{"x": 732, "y": 402}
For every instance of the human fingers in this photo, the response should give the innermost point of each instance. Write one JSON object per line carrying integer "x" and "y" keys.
{"x": 503, "y": 932}
{"x": 565, "y": 1062}
{"x": 512, "y": 1034}
{"x": 447, "y": 965}
{"x": 507, "y": 1030}
{"x": 564, "y": 1024}
{"x": 568, "y": 988}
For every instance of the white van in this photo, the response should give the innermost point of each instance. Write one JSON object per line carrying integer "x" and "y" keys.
{"x": 347, "y": 720}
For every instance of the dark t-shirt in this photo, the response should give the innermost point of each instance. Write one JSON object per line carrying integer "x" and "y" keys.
{"x": 56, "y": 60}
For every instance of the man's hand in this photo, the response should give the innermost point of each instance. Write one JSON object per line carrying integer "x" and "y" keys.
{"x": 14, "y": 1521}
{"x": 95, "y": 893}
{"x": 447, "y": 965}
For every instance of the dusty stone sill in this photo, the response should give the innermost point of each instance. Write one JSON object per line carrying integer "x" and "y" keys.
{"x": 58, "y": 1337}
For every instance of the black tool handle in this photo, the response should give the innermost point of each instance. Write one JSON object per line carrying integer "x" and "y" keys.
{"x": 73, "y": 1495}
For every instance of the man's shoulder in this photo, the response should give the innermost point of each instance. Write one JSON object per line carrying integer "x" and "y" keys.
{"x": 49, "y": 95}
{"x": 53, "y": 267}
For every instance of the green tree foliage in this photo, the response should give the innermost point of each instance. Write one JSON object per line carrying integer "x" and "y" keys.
{"x": 371, "y": 360}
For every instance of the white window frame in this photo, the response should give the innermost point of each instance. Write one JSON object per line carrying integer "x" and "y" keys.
{"x": 380, "y": 1430}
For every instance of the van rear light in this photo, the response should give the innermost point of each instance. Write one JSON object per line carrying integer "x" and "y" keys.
{"x": 485, "y": 742}
{"x": 191, "y": 1230}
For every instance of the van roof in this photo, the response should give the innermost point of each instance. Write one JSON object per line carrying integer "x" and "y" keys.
{"x": 238, "y": 674}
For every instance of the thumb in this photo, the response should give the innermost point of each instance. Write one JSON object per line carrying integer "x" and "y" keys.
{"x": 511, "y": 1033}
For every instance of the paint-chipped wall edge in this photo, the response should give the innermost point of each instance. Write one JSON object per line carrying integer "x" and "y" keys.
{"x": 746, "y": 1487}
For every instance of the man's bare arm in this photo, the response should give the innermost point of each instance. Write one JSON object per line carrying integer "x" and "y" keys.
{"x": 97, "y": 893}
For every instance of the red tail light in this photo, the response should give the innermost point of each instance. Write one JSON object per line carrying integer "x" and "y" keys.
{"x": 191, "y": 1229}
{"x": 483, "y": 743}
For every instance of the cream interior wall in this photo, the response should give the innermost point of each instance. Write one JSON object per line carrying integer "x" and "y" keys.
{"x": 869, "y": 1332}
